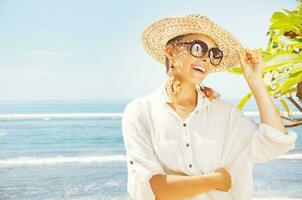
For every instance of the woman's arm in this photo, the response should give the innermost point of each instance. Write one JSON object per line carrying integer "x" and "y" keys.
{"x": 177, "y": 187}
{"x": 251, "y": 62}
{"x": 269, "y": 139}
{"x": 269, "y": 114}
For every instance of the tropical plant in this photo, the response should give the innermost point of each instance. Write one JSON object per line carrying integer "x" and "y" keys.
{"x": 282, "y": 62}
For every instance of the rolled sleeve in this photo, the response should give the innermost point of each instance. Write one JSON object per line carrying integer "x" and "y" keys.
{"x": 142, "y": 163}
{"x": 265, "y": 142}
{"x": 277, "y": 136}
{"x": 268, "y": 143}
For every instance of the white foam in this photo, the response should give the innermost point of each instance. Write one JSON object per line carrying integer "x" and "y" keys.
{"x": 61, "y": 160}
{"x": 256, "y": 113}
{"x": 294, "y": 156}
{"x": 2, "y": 133}
{"x": 277, "y": 198}
{"x": 113, "y": 115}
{"x": 90, "y": 159}
{"x": 50, "y": 116}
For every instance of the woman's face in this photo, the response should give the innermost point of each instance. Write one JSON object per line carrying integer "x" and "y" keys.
{"x": 184, "y": 63}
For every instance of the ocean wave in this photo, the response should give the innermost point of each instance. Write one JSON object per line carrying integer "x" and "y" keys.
{"x": 91, "y": 159}
{"x": 256, "y": 113}
{"x": 61, "y": 160}
{"x": 277, "y": 198}
{"x": 62, "y": 116}
{"x": 293, "y": 156}
{"x": 2, "y": 133}
{"x": 50, "y": 116}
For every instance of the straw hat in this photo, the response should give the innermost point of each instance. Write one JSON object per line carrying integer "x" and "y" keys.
{"x": 155, "y": 37}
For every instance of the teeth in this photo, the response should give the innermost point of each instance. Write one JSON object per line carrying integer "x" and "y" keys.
{"x": 201, "y": 68}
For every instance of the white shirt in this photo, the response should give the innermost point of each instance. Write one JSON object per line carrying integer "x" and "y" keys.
{"x": 215, "y": 134}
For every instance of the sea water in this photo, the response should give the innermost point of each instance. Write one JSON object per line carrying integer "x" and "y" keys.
{"x": 74, "y": 150}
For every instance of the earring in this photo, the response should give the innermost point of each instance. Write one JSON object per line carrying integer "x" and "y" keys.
{"x": 172, "y": 66}
{"x": 170, "y": 70}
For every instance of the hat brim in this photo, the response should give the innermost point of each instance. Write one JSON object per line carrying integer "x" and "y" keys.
{"x": 155, "y": 37}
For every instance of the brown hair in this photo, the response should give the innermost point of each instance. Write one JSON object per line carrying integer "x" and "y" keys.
{"x": 179, "y": 37}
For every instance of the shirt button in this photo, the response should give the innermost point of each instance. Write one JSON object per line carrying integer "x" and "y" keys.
{"x": 184, "y": 124}
{"x": 190, "y": 165}
{"x": 131, "y": 162}
{"x": 187, "y": 145}
{"x": 197, "y": 111}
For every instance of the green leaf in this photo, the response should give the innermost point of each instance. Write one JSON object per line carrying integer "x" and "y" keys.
{"x": 287, "y": 11}
{"x": 279, "y": 58}
{"x": 290, "y": 13}
{"x": 288, "y": 83}
{"x": 235, "y": 70}
{"x": 286, "y": 22}
{"x": 243, "y": 101}
{"x": 274, "y": 61}
{"x": 277, "y": 16}
{"x": 288, "y": 91}
{"x": 285, "y": 105}
{"x": 295, "y": 71}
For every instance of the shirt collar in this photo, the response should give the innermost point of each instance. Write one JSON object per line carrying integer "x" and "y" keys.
{"x": 202, "y": 99}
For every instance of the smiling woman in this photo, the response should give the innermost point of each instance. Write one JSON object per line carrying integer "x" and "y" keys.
{"x": 198, "y": 51}
{"x": 182, "y": 144}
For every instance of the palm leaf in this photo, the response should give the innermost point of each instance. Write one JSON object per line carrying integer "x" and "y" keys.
{"x": 285, "y": 105}
{"x": 243, "y": 101}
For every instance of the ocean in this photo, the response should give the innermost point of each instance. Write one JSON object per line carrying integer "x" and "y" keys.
{"x": 55, "y": 150}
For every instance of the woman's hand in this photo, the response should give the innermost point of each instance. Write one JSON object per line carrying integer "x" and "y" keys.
{"x": 251, "y": 64}
{"x": 224, "y": 180}
{"x": 210, "y": 93}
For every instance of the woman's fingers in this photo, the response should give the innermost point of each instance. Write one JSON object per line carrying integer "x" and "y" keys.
{"x": 206, "y": 91}
{"x": 241, "y": 58}
{"x": 248, "y": 57}
{"x": 210, "y": 93}
{"x": 254, "y": 56}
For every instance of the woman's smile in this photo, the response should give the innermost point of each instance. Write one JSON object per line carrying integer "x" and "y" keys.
{"x": 199, "y": 68}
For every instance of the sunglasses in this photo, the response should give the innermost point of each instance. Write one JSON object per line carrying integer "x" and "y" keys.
{"x": 199, "y": 48}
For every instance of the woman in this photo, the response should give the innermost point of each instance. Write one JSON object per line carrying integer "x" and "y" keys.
{"x": 182, "y": 142}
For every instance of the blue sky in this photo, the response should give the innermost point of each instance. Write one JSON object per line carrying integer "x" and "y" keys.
{"x": 91, "y": 50}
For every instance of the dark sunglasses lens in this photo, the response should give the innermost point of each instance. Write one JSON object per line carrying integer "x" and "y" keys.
{"x": 215, "y": 56}
{"x": 198, "y": 49}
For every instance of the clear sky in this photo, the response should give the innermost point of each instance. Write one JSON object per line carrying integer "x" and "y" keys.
{"x": 82, "y": 50}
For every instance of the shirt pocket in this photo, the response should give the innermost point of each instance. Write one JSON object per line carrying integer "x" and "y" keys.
{"x": 168, "y": 153}
{"x": 209, "y": 152}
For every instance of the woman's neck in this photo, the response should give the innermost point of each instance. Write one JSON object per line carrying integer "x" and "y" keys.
{"x": 187, "y": 96}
